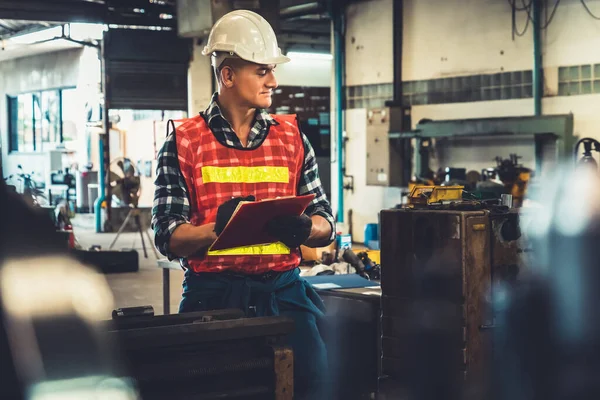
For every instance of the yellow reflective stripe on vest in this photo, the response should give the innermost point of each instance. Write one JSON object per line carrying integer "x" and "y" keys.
{"x": 259, "y": 250}
{"x": 245, "y": 174}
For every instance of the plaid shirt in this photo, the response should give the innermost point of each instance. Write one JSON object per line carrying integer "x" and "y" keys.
{"x": 171, "y": 201}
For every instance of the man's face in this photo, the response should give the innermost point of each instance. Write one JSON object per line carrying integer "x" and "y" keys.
{"x": 254, "y": 84}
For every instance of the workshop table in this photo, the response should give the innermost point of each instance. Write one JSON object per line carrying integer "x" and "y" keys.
{"x": 167, "y": 266}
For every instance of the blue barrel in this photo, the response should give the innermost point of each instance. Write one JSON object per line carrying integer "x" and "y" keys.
{"x": 371, "y": 234}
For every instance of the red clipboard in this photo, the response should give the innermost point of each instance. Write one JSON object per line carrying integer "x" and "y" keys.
{"x": 247, "y": 226}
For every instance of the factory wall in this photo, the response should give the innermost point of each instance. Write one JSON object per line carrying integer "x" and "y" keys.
{"x": 463, "y": 38}
{"x": 44, "y": 71}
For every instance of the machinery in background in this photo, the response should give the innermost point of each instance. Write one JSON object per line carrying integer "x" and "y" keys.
{"x": 63, "y": 182}
{"x": 511, "y": 174}
{"x": 507, "y": 177}
{"x": 440, "y": 264}
{"x": 550, "y": 136}
{"x": 587, "y": 159}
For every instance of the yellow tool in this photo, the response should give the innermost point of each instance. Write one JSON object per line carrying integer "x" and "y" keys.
{"x": 434, "y": 195}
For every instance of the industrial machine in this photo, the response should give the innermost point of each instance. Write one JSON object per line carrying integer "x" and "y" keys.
{"x": 507, "y": 177}
{"x": 440, "y": 266}
{"x": 206, "y": 355}
{"x": 589, "y": 145}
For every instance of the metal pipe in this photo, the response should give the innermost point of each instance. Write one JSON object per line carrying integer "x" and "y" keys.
{"x": 538, "y": 72}
{"x": 101, "y": 177}
{"x": 338, "y": 55}
{"x": 104, "y": 146}
{"x": 101, "y": 170}
{"x": 300, "y": 10}
{"x": 398, "y": 31}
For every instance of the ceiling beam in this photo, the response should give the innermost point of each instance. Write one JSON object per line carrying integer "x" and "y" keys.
{"x": 80, "y": 11}
{"x": 301, "y": 10}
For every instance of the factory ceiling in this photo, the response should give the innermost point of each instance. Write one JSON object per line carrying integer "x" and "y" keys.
{"x": 304, "y": 24}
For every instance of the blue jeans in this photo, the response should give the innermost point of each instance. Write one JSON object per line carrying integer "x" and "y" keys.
{"x": 286, "y": 294}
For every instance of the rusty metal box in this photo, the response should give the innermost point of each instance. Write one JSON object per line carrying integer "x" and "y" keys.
{"x": 436, "y": 277}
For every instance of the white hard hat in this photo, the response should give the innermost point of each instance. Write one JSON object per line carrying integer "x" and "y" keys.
{"x": 244, "y": 34}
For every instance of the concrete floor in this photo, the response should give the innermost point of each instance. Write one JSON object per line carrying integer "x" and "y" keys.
{"x": 132, "y": 288}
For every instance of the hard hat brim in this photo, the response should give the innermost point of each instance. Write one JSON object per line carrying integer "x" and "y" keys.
{"x": 244, "y": 54}
{"x": 273, "y": 60}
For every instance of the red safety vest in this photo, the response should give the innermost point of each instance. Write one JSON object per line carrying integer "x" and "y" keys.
{"x": 214, "y": 173}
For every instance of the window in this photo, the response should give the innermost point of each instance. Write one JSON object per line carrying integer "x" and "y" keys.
{"x": 72, "y": 110}
{"x": 40, "y": 121}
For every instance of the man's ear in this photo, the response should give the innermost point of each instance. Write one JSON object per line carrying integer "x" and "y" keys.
{"x": 227, "y": 76}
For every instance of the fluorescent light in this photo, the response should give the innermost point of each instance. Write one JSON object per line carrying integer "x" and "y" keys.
{"x": 38, "y": 36}
{"x": 309, "y": 56}
{"x": 86, "y": 31}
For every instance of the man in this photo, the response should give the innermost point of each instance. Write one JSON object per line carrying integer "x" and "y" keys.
{"x": 236, "y": 151}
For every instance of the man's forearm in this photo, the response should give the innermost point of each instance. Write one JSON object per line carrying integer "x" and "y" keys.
{"x": 320, "y": 234}
{"x": 188, "y": 239}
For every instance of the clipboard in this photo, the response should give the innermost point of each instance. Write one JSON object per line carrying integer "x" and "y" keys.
{"x": 248, "y": 224}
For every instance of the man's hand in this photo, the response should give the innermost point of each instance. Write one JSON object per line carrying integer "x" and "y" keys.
{"x": 291, "y": 230}
{"x": 188, "y": 239}
{"x": 226, "y": 210}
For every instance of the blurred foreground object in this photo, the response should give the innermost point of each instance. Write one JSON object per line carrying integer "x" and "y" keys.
{"x": 548, "y": 326}
{"x": 50, "y": 345}
{"x": 51, "y": 308}
{"x": 207, "y": 355}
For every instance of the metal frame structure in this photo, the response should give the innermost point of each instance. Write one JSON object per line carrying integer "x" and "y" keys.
{"x": 558, "y": 128}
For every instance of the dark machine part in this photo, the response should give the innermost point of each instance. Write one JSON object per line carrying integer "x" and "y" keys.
{"x": 372, "y": 270}
{"x": 455, "y": 174}
{"x": 133, "y": 312}
{"x": 63, "y": 178}
{"x": 438, "y": 269}
{"x": 425, "y": 151}
{"x": 513, "y": 176}
{"x": 587, "y": 159}
{"x": 509, "y": 169}
{"x": 352, "y": 258}
{"x": 351, "y": 332}
{"x": 207, "y": 355}
{"x": 107, "y": 261}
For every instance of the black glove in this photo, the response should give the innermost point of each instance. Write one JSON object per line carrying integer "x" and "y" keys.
{"x": 291, "y": 230}
{"x": 226, "y": 210}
